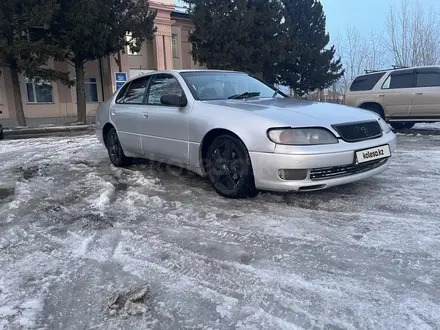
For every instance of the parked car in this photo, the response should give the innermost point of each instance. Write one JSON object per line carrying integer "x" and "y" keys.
{"x": 403, "y": 96}
{"x": 1, "y": 129}
{"x": 241, "y": 133}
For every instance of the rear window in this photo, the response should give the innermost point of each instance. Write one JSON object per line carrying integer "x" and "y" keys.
{"x": 366, "y": 82}
{"x": 428, "y": 79}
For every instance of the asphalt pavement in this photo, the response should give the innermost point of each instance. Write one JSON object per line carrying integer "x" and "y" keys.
{"x": 76, "y": 231}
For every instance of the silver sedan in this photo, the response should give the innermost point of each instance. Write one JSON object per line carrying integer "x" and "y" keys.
{"x": 241, "y": 133}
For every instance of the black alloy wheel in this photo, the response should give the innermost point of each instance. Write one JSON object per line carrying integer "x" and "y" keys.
{"x": 229, "y": 168}
{"x": 115, "y": 152}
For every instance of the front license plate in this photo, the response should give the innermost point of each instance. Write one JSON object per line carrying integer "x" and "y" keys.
{"x": 375, "y": 153}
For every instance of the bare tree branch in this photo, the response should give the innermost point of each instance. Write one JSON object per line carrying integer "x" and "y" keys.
{"x": 359, "y": 53}
{"x": 413, "y": 38}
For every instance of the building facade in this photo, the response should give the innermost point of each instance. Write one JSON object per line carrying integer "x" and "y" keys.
{"x": 169, "y": 49}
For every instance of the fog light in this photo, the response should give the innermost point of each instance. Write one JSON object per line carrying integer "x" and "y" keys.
{"x": 291, "y": 175}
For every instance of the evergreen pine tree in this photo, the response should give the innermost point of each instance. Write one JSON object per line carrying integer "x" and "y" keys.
{"x": 240, "y": 35}
{"x": 308, "y": 64}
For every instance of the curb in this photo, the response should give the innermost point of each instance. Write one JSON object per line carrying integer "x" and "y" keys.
{"x": 417, "y": 131}
{"x": 23, "y": 133}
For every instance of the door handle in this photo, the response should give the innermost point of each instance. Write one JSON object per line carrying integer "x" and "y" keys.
{"x": 381, "y": 95}
{"x": 420, "y": 93}
{"x": 145, "y": 115}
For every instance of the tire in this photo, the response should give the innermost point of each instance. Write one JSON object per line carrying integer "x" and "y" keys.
{"x": 400, "y": 125}
{"x": 114, "y": 148}
{"x": 376, "y": 108}
{"x": 229, "y": 168}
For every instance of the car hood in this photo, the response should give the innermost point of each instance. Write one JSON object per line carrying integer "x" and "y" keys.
{"x": 293, "y": 112}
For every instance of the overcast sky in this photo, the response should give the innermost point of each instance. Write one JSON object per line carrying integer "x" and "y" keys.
{"x": 364, "y": 14}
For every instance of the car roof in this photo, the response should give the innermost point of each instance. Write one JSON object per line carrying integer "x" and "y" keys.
{"x": 206, "y": 70}
{"x": 190, "y": 70}
{"x": 181, "y": 71}
{"x": 400, "y": 69}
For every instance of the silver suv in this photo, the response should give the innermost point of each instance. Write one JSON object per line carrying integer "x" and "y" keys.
{"x": 402, "y": 96}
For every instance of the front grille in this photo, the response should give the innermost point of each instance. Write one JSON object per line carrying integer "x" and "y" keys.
{"x": 340, "y": 171}
{"x": 359, "y": 131}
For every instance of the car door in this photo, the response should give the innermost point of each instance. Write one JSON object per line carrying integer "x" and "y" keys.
{"x": 165, "y": 135}
{"x": 397, "y": 92}
{"x": 426, "y": 99}
{"x": 127, "y": 113}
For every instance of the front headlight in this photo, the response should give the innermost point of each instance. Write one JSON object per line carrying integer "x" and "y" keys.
{"x": 301, "y": 136}
{"x": 385, "y": 127}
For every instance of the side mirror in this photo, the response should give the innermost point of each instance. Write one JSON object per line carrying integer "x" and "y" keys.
{"x": 173, "y": 100}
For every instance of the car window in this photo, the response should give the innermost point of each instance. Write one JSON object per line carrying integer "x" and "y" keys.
{"x": 428, "y": 79}
{"x": 163, "y": 84}
{"x": 386, "y": 84}
{"x": 366, "y": 82}
{"x": 399, "y": 80}
{"x": 121, "y": 95}
{"x": 213, "y": 85}
{"x": 136, "y": 91}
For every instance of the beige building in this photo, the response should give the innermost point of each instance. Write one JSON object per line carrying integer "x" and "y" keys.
{"x": 169, "y": 49}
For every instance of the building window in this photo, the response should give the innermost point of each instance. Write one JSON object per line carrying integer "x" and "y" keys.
{"x": 130, "y": 39}
{"x": 175, "y": 47}
{"x": 39, "y": 91}
{"x": 91, "y": 87}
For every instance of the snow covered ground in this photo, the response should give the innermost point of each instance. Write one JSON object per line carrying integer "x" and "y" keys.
{"x": 75, "y": 230}
{"x": 428, "y": 126}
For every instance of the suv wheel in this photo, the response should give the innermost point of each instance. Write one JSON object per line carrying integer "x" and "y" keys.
{"x": 399, "y": 125}
{"x": 376, "y": 108}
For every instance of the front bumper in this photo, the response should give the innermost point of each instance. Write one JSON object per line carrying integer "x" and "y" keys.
{"x": 267, "y": 165}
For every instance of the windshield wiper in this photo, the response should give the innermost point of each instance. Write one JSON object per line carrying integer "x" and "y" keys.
{"x": 277, "y": 91}
{"x": 244, "y": 95}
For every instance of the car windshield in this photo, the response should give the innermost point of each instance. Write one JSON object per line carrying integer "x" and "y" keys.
{"x": 227, "y": 85}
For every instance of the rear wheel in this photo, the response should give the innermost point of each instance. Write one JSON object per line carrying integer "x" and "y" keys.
{"x": 229, "y": 168}
{"x": 399, "y": 125}
{"x": 115, "y": 152}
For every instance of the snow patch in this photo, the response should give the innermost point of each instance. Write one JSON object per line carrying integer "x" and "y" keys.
{"x": 22, "y": 195}
{"x": 104, "y": 198}
{"x": 30, "y": 311}
{"x": 228, "y": 307}
{"x": 80, "y": 244}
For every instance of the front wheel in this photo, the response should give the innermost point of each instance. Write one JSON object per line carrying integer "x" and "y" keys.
{"x": 398, "y": 125}
{"x": 115, "y": 152}
{"x": 229, "y": 168}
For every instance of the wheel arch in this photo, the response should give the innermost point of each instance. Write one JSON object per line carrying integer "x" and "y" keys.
{"x": 105, "y": 131}
{"x": 207, "y": 140}
{"x": 373, "y": 104}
